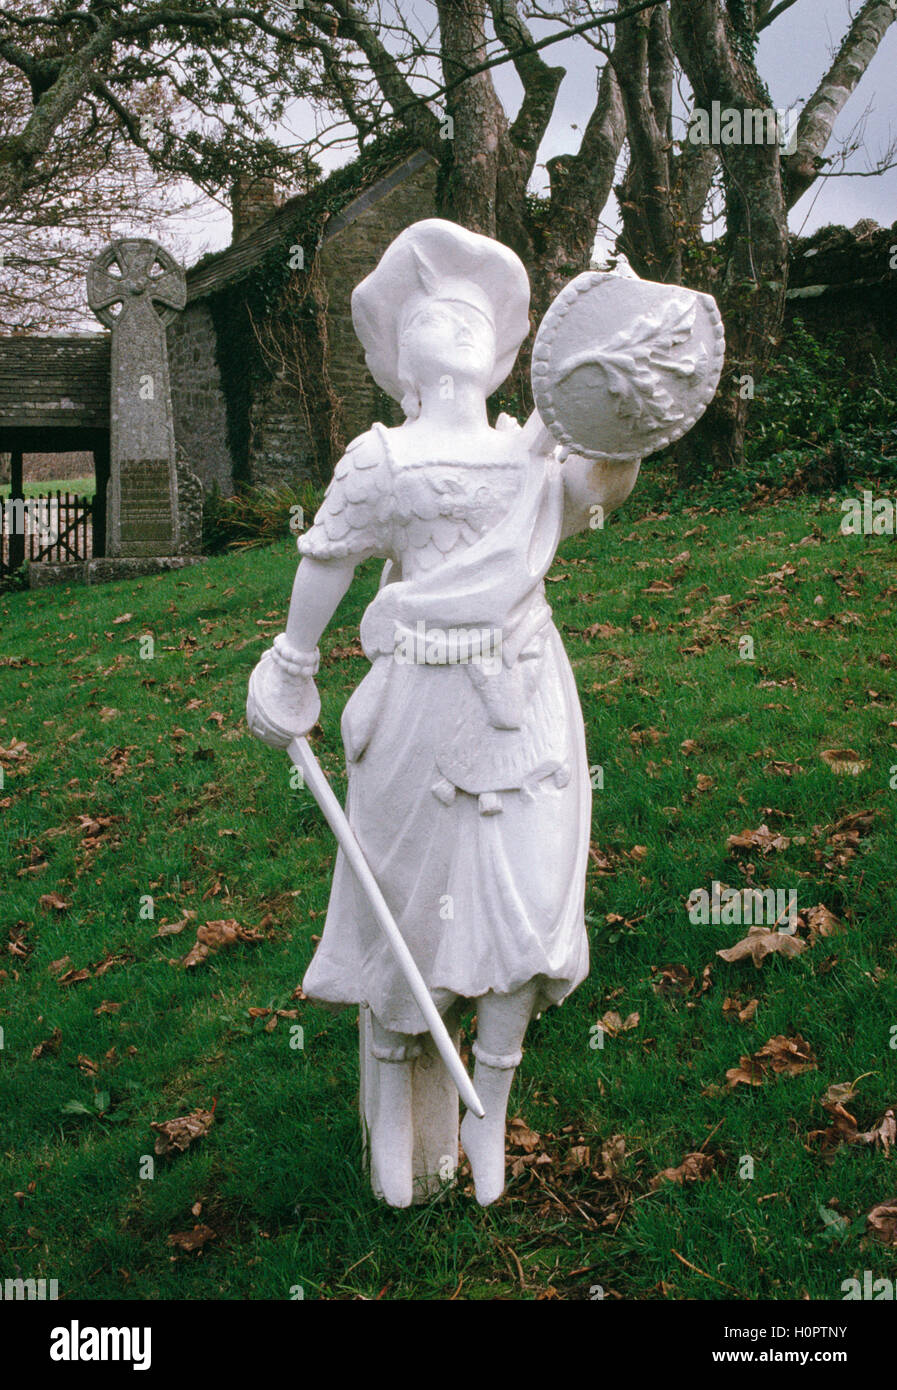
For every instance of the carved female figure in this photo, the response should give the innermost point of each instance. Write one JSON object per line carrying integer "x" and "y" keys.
{"x": 468, "y": 784}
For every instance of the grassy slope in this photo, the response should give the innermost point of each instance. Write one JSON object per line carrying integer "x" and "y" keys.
{"x": 204, "y": 818}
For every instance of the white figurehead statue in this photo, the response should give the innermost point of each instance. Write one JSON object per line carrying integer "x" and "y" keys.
{"x": 469, "y": 796}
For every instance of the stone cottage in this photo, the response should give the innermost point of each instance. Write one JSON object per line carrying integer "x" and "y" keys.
{"x": 268, "y": 380}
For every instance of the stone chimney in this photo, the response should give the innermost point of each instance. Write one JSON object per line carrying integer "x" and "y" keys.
{"x": 253, "y": 200}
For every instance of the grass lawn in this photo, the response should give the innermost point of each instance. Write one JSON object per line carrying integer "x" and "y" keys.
{"x": 78, "y": 487}
{"x": 139, "y": 782}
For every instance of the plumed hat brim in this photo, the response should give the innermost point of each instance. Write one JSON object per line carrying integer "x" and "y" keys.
{"x": 441, "y": 260}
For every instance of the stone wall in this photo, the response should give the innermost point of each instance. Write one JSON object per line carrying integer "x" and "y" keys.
{"x": 280, "y": 446}
{"x": 845, "y": 280}
{"x": 190, "y": 507}
{"x": 200, "y": 412}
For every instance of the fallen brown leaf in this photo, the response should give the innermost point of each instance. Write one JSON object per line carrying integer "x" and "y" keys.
{"x": 856, "y": 820}
{"x": 600, "y": 862}
{"x": 580, "y": 1156}
{"x": 762, "y": 838}
{"x": 190, "y": 1241}
{"x": 613, "y": 1151}
{"x": 174, "y": 928}
{"x": 782, "y": 769}
{"x": 745, "y": 1013}
{"x": 761, "y": 942}
{"x": 74, "y": 977}
{"x": 844, "y": 761}
{"x": 882, "y": 1221}
{"x": 674, "y": 980}
{"x": 821, "y": 922}
{"x": 883, "y": 1134}
{"x": 214, "y": 936}
{"x": 49, "y": 1047}
{"x": 695, "y": 1167}
{"x": 778, "y": 1056}
{"x": 52, "y": 902}
{"x": 177, "y": 1135}
{"x": 613, "y": 1024}
{"x": 520, "y": 1136}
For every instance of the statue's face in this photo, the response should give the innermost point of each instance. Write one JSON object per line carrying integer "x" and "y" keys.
{"x": 448, "y": 338}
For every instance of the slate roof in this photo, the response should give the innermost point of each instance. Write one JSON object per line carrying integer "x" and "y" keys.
{"x": 55, "y": 381}
{"x": 215, "y": 272}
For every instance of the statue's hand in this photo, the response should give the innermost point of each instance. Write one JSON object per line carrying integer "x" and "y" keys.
{"x": 280, "y": 706}
{"x": 592, "y": 489}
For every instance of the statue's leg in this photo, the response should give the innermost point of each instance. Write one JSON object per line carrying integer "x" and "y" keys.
{"x": 502, "y": 1021}
{"x": 392, "y": 1130}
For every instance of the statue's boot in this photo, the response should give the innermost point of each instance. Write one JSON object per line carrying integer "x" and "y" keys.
{"x": 392, "y": 1135}
{"x": 484, "y": 1140}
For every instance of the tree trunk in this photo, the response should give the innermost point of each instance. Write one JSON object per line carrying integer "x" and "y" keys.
{"x": 751, "y": 289}
{"x": 644, "y": 65}
{"x": 470, "y": 168}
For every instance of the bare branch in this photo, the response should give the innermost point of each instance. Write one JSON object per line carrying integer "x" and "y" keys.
{"x": 766, "y": 16}
{"x": 419, "y": 120}
{"x": 817, "y": 120}
{"x": 540, "y": 81}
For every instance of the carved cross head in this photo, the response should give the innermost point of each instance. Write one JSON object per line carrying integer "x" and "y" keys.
{"x": 131, "y": 271}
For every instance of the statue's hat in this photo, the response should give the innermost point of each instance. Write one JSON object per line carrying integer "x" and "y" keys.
{"x": 435, "y": 259}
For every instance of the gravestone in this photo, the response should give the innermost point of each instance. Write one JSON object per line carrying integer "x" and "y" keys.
{"x": 135, "y": 288}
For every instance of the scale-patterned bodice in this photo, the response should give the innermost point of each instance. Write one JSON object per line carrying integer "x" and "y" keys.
{"x": 416, "y": 513}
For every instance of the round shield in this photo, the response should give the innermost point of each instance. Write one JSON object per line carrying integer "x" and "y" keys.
{"x": 623, "y": 367}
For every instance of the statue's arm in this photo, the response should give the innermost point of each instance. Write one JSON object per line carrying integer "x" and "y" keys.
{"x": 283, "y": 701}
{"x": 592, "y": 487}
{"x": 318, "y": 590}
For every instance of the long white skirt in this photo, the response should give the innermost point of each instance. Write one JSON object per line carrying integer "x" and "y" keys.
{"x": 484, "y": 901}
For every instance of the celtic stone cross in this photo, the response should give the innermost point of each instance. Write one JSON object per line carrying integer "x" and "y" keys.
{"x": 135, "y": 288}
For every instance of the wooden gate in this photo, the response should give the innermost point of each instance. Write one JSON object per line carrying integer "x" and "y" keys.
{"x": 56, "y": 526}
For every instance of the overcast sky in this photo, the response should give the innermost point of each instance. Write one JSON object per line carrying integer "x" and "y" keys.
{"x": 794, "y": 53}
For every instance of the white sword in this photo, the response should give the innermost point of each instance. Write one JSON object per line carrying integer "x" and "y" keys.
{"x": 302, "y": 756}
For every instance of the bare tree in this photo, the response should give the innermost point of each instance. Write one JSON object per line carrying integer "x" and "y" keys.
{"x": 439, "y": 88}
{"x": 663, "y": 197}
{"x": 817, "y": 119}
{"x": 227, "y": 70}
{"x": 437, "y": 84}
{"x": 97, "y": 185}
